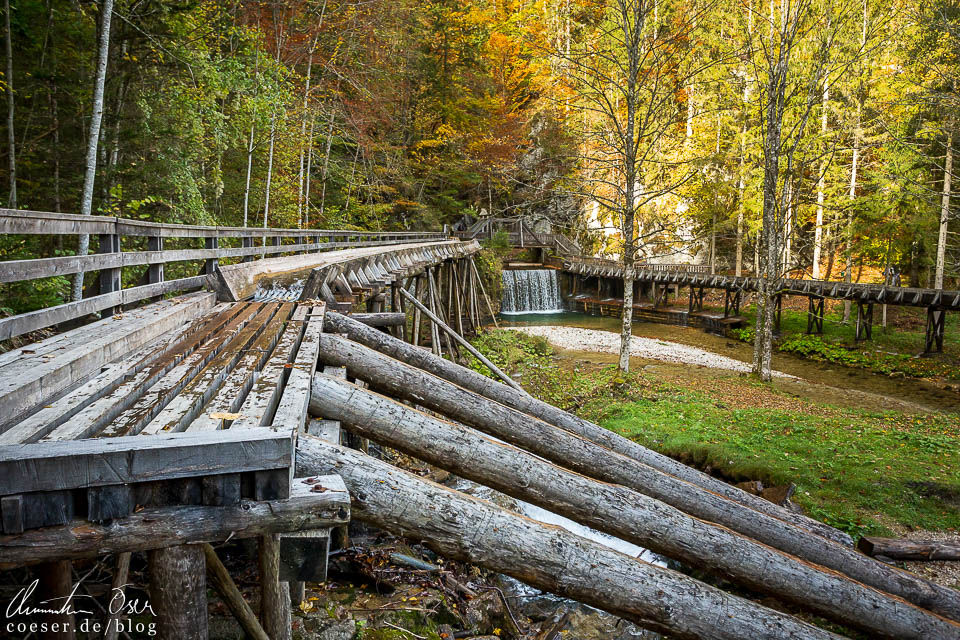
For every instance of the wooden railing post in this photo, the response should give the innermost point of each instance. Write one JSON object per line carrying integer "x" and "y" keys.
{"x": 110, "y": 279}
{"x": 155, "y": 271}
{"x": 247, "y": 243}
{"x": 210, "y": 264}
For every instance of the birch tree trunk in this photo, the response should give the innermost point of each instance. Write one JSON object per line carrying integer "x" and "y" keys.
{"x": 266, "y": 202}
{"x": 944, "y": 208}
{"x": 246, "y": 188}
{"x": 86, "y": 200}
{"x": 303, "y": 138}
{"x": 11, "y": 133}
{"x": 306, "y": 190}
{"x": 326, "y": 163}
{"x": 818, "y": 228}
{"x": 852, "y": 195}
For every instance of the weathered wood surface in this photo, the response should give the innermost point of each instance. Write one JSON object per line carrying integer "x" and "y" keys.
{"x": 54, "y": 587}
{"x": 219, "y": 578}
{"x": 261, "y": 402}
{"x": 464, "y": 528}
{"x": 291, "y": 414}
{"x": 582, "y": 455}
{"x": 903, "y": 549}
{"x": 118, "y": 585}
{"x": 157, "y": 527}
{"x": 473, "y": 381}
{"x": 48, "y": 466}
{"x": 387, "y": 319}
{"x": 33, "y": 379}
{"x": 274, "y": 594}
{"x": 178, "y": 592}
{"x": 624, "y": 513}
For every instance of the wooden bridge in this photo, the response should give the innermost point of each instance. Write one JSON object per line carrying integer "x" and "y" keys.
{"x": 697, "y": 278}
{"x": 208, "y": 417}
{"x": 519, "y": 234}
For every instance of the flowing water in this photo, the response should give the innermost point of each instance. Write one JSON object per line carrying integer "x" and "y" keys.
{"x": 530, "y": 291}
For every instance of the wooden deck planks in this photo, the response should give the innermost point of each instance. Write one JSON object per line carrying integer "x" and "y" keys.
{"x": 292, "y": 409}
{"x": 237, "y": 385}
{"x": 152, "y": 400}
{"x": 30, "y": 381}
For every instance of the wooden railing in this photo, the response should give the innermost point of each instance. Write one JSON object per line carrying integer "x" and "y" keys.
{"x": 641, "y": 266}
{"x": 110, "y": 259}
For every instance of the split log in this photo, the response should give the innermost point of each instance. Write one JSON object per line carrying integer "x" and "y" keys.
{"x": 220, "y": 578}
{"x": 467, "y": 529}
{"x": 626, "y": 514}
{"x": 581, "y": 455}
{"x": 152, "y": 528}
{"x": 903, "y": 549}
{"x": 178, "y": 592}
{"x": 380, "y": 319}
{"x": 529, "y": 405}
{"x": 466, "y": 345}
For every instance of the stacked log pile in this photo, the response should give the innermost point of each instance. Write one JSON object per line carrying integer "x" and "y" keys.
{"x": 502, "y": 438}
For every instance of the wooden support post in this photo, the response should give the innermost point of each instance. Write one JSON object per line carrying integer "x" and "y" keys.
{"x": 155, "y": 271}
{"x": 110, "y": 279}
{"x": 274, "y": 595}
{"x": 117, "y": 585}
{"x": 815, "y": 315}
{"x": 934, "y": 336}
{"x": 55, "y": 584}
{"x": 416, "y": 310}
{"x": 476, "y": 273}
{"x": 221, "y": 581}
{"x": 210, "y": 264}
{"x": 247, "y": 243}
{"x": 864, "y": 321}
{"x": 178, "y": 591}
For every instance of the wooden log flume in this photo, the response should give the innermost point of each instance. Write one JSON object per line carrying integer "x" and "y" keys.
{"x": 624, "y": 513}
{"x": 473, "y": 381}
{"x": 464, "y": 528}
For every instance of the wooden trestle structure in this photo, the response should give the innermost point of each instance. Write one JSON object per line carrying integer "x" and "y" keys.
{"x": 199, "y": 419}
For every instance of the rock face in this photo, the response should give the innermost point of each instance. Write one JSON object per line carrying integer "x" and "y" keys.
{"x": 337, "y": 630}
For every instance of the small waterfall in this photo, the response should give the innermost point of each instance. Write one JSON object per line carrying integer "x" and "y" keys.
{"x": 530, "y": 291}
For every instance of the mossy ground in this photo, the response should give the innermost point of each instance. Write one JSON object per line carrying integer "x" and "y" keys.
{"x": 855, "y": 469}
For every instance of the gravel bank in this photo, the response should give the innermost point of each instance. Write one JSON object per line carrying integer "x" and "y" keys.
{"x": 652, "y": 349}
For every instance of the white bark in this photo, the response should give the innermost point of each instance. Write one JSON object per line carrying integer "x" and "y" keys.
{"x": 86, "y": 200}
{"x": 944, "y": 210}
{"x": 818, "y": 229}
{"x": 266, "y": 202}
{"x": 11, "y": 134}
{"x": 246, "y": 189}
{"x": 303, "y": 136}
{"x": 306, "y": 190}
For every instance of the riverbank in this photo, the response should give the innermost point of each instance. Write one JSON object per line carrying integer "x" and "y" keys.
{"x": 864, "y": 471}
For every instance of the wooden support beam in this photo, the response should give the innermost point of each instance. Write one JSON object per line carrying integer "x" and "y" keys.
{"x": 580, "y": 455}
{"x": 392, "y": 319}
{"x": 178, "y": 592}
{"x": 815, "y": 315}
{"x": 219, "y": 578}
{"x": 156, "y": 527}
{"x": 624, "y": 514}
{"x": 546, "y": 557}
{"x": 274, "y": 594}
{"x": 54, "y": 588}
{"x": 864, "y": 321}
{"x": 933, "y": 341}
{"x": 525, "y": 403}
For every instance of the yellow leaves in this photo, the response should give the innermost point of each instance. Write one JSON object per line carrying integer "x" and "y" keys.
{"x": 305, "y": 606}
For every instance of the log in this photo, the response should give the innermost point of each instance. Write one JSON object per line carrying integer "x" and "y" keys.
{"x": 467, "y": 529}
{"x": 625, "y": 514}
{"x": 54, "y": 588}
{"x": 529, "y": 405}
{"x": 117, "y": 586}
{"x": 476, "y": 273}
{"x": 153, "y": 528}
{"x": 274, "y": 594}
{"x": 581, "y": 455}
{"x": 178, "y": 592}
{"x": 381, "y": 319}
{"x": 903, "y": 549}
{"x": 466, "y": 345}
{"x": 219, "y": 577}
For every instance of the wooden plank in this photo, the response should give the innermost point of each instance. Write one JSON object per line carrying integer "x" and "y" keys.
{"x": 93, "y": 417}
{"x": 157, "y": 527}
{"x": 99, "y": 462}
{"x": 42, "y": 318}
{"x": 189, "y": 402}
{"x": 261, "y": 402}
{"x": 237, "y": 385}
{"x": 151, "y": 400}
{"x": 24, "y": 386}
{"x": 19, "y": 221}
{"x": 292, "y": 410}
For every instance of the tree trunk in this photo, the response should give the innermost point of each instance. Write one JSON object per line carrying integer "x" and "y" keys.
{"x": 502, "y": 394}
{"x": 306, "y": 190}
{"x": 818, "y": 228}
{"x": 467, "y": 529}
{"x": 11, "y": 132}
{"x": 274, "y": 595}
{"x": 266, "y": 202}
{"x": 944, "y": 209}
{"x": 178, "y": 592}
{"x": 303, "y": 137}
{"x": 86, "y": 200}
{"x": 899, "y": 549}
{"x": 580, "y": 455}
{"x": 246, "y": 188}
{"x": 326, "y": 163}
{"x": 54, "y": 588}
{"x": 618, "y": 511}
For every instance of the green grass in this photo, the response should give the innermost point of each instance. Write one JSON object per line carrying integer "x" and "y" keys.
{"x": 892, "y": 351}
{"x": 856, "y": 470}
